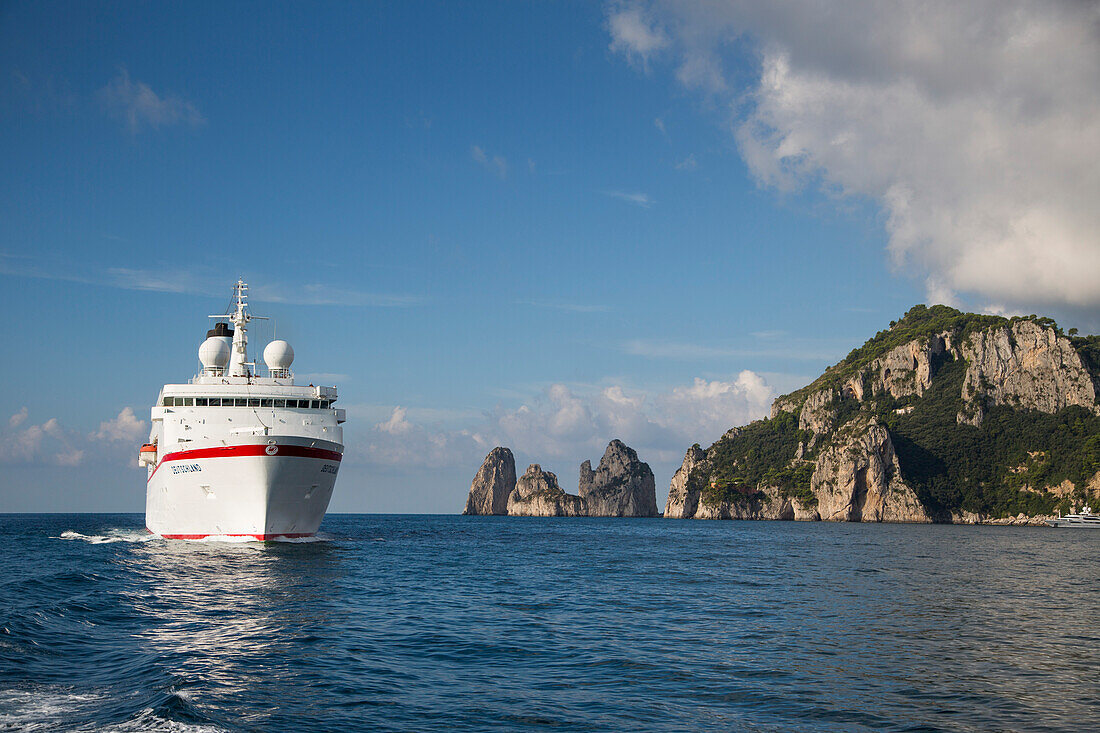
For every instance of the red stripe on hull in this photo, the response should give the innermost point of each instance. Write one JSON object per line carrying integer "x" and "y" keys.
{"x": 240, "y": 451}
{"x": 260, "y": 537}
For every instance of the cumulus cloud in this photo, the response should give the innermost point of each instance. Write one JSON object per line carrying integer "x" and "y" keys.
{"x": 51, "y": 443}
{"x": 635, "y": 34}
{"x": 496, "y": 163}
{"x": 137, "y": 105}
{"x": 18, "y": 418}
{"x": 574, "y": 422}
{"x": 397, "y": 424}
{"x": 126, "y": 428}
{"x": 47, "y": 442}
{"x": 974, "y": 126}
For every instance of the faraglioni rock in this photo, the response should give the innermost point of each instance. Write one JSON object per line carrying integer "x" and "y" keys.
{"x": 493, "y": 483}
{"x": 537, "y": 494}
{"x": 621, "y": 486}
{"x": 947, "y": 416}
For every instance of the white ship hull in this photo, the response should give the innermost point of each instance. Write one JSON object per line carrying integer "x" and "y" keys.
{"x": 263, "y": 487}
{"x": 1076, "y": 520}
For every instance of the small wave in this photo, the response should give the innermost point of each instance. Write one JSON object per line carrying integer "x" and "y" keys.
{"x": 304, "y": 540}
{"x": 244, "y": 539}
{"x": 31, "y": 710}
{"x": 119, "y": 535}
{"x": 148, "y": 720}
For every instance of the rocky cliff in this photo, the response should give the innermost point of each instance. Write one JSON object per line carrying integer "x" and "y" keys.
{"x": 621, "y": 486}
{"x": 537, "y": 494}
{"x": 493, "y": 483}
{"x": 946, "y": 416}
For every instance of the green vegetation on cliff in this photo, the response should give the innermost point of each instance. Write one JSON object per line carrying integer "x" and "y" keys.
{"x": 998, "y": 469}
{"x": 760, "y": 454}
{"x": 1014, "y": 461}
{"x": 918, "y": 323}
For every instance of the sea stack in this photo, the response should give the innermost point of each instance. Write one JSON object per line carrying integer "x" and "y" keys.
{"x": 493, "y": 483}
{"x": 537, "y": 494}
{"x": 621, "y": 486}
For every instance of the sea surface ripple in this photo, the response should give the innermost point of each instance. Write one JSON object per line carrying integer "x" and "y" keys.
{"x": 424, "y": 623}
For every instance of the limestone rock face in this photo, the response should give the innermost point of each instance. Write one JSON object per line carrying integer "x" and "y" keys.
{"x": 905, "y": 370}
{"x": 493, "y": 483}
{"x": 621, "y": 486}
{"x": 683, "y": 500}
{"x": 765, "y": 504}
{"x": 819, "y": 412}
{"x": 537, "y": 494}
{"x": 1026, "y": 365}
{"x": 857, "y": 479}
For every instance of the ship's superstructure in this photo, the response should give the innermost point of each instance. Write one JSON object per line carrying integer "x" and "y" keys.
{"x": 232, "y": 453}
{"x": 1087, "y": 518}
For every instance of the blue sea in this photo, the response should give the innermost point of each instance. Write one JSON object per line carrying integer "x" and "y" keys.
{"x": 449, "y": 623}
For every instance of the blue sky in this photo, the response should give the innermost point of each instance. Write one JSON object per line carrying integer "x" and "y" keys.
{"x": 541, "y": 225}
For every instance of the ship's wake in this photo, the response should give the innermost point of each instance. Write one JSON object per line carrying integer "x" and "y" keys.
{"x": 112, "y": 535}
{"x": 139, "y": 536}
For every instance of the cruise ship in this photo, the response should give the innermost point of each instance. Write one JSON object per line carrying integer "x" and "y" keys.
{"x": 235, "y": 454}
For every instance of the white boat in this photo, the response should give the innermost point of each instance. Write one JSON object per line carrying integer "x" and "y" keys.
{"x": 1085, "y": 519}
{"x": 232, "y": 453}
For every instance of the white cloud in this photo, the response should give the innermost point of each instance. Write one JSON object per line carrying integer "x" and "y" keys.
{"x": 209, "y": 284}
{"x": 114, "y": 441}
{"x": 139, "y": 106}
{"x": 496, "y": 163}
{"x": 44, "y": 443}
{"x": 575, "y": 422}
{"x": 125, "y": 428}
{"x": 634, "y": 33}
{"x": 974, "y": 126}
{"x": 638, "y": 199}
{"x": 397, "y": 424}
{"x": 18, "y": 418}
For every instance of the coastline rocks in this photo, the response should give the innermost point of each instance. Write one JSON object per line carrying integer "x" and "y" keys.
{"x": 683, "y": 500}
{"x": 858, "y": 479}
{"x": 743, "y": 508}
{"x": 494, "y": 481}
{"x": 622, "y": 485}
{"x": 537, "y": 494}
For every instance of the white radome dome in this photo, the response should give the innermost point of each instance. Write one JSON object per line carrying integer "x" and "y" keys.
{"x": 278, "y": 355}
{"x": 214, "y": 353}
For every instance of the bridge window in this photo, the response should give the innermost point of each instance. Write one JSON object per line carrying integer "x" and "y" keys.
{"x": 201, "y": 401}
{"x": 266, "y": 403}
